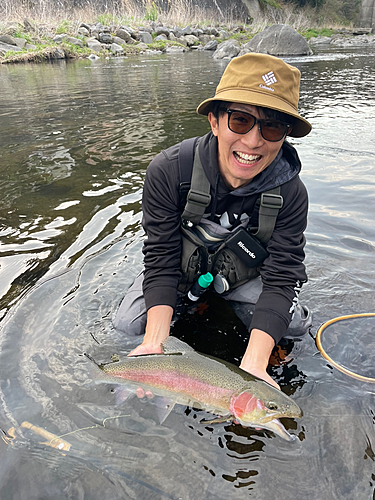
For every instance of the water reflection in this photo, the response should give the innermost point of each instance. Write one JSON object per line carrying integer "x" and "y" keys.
{"x": 76, "y": 139}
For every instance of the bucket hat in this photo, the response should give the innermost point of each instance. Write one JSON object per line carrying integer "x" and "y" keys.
{"x": 261, "y": 80}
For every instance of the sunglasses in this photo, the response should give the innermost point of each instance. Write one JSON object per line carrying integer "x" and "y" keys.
{"x": 240, "y": 122}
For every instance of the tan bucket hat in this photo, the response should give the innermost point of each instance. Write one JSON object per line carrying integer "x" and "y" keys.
{"x": 261, "y": 80}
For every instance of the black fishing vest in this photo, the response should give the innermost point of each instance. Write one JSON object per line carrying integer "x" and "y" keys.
{"x": 196, "y": 259}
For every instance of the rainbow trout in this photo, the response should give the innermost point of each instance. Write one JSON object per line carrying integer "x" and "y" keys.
{"x": 187, "y": 377}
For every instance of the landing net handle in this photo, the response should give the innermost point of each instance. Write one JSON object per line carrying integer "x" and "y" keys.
{"x": 328, "y": 358}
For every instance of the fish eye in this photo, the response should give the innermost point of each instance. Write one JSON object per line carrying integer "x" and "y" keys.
{"x": 272, "y": 406}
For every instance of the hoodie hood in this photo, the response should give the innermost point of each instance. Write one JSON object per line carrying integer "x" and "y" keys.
{"x": 284, "y": 167}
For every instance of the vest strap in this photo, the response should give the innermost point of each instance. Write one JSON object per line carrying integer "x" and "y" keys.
{"x": 270, "y": 203}
{"x": 198, "y": 197}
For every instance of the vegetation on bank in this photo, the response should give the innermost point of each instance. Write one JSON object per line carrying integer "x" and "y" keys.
{"x": 38, "y": 21}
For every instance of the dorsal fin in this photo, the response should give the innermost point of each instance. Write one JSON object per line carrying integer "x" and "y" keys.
{"x": 173, "y": 345}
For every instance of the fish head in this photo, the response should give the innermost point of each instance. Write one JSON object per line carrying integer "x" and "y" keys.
{"x": 264, "y": 408}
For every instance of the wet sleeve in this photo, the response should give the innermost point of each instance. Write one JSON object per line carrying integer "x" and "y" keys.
{"x": 283, "y": 272}
{"x": 161, "y": 221}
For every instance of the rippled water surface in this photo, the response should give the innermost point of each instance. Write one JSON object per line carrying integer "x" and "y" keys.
{"x": 75, "y": 141}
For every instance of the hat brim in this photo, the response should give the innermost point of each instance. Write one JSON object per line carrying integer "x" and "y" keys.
{"x": 301, "y": 127}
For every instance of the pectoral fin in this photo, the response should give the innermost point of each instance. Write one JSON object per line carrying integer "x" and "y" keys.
{"x": 163, "y": 407}
{"x": 218, "y": 420}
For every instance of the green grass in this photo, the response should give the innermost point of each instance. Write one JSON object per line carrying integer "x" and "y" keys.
{"x": 313, "y": 32}
{"x": 64, "y": 27}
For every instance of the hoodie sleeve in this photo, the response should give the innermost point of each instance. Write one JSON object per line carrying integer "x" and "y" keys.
{"x": 283, "y": 272}
{"x": 161, "y": 221}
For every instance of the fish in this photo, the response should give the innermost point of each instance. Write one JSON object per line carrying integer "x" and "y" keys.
{"x": 187, "y": 377}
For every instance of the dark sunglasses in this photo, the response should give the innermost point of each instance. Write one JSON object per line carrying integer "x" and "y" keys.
{"x": 240, "y": 122}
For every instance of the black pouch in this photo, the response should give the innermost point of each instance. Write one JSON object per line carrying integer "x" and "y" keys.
{"x": 247, "y": 248}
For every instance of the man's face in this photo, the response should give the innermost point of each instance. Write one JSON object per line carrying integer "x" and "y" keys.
{"x": 242, "y": 157}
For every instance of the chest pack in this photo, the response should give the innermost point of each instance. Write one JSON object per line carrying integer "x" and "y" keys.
{"x": 235, "y": 255}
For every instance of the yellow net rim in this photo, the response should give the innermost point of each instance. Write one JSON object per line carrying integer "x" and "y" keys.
{"x": 328, "y": 358}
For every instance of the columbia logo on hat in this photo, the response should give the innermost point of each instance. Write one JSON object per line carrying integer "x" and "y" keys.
{"x": 269, "y": 78}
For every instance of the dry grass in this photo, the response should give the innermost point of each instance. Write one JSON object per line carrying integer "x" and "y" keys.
{"x": 50, "y": 14}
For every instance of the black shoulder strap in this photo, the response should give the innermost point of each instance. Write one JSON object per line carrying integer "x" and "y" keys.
{"x": 270, "y": 203}
{"x": 185, "y": 166}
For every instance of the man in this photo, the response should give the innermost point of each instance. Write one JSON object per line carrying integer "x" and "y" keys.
{"x": 246, "y": 199}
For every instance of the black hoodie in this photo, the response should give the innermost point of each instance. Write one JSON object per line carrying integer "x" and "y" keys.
{"x": 282, "y": 272}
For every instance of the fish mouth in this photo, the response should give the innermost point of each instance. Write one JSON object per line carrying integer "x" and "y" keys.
{"x": 246, "y": 159}
{"x": 277, "y": 428}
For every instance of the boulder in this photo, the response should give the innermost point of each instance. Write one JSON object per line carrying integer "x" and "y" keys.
{"x": 116, "y": 49}
{"x": 74, "y": 41}
{"x": 10, "y": 40}
{"x": 118, "y": 41}
{"x": 204, "y": 39}
{"x": 191, "y": 40}
{"x": 4, "y": 47}
{"x": 31, "y": 46}
{"x": 20, "y": 42}
{"x": 320, "y": 40}
{"x": 105, "y": 37}
{"x": 278, "y": 40}
{"x": 211, "y": 45}
{"x": 161, "y": 38}
{"x": 93, "y": 44}
{"x": 162, "y": 30}
{"x": 124, "y": 34}
{"x": 227, "y": 50}
{"x": 145, "y": 37}
{"x": 174, "y": 49}
{"x": 83, "y": 31}
{"x": 59, "y": 38}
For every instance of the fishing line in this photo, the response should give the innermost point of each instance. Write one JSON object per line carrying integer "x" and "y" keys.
{"x": 328, "y": 358}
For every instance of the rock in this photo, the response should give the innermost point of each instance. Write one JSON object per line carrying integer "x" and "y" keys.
{"x": 186, "y": 30}
{"x": 87, "y": 27}
{"x": 320, "y": 40}
{"x": 223, "y": 35}
{"x": 124, "y": 34}
{"x": 204, "y": 39}
{"x": 105, "y": 38}
{"x": 160, "y": 38}
{"x": 278, "y": 40}
{"x": 74, "y": 41}
{"x": 142, "y": 46}
{"x": 93, "y": 44}
{"x": 174, "y": 49}
{"x": 83, "y": 31}
{"x": 361, "y": 31}
{"x": 177, "y": 32}
{"x": 119, "y": 41}
{"x": 4, "y": 47}
{"x": 21, "y": 42}
{"x": 172, "y": 37}
{"x": 59, "y": 38}
{"x": 211, "y": 45}
{"x": 31, "y": 46}
{"x": 161, "y": 30}
{"x": 116, "y": 49}
{"x": 191, "y": 40}
{"x": 93, "y": 57}
{"x": 227, "y": 50}
{"x": 10, "y": 40}
{"x": 182, "y": 41}
{"x": 145, "y": 37}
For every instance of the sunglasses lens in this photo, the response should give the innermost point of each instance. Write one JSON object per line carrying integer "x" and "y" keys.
{"x": 240, "y": 123}
{"x": 273, "y": 131}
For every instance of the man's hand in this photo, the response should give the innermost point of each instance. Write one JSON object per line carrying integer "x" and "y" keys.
{"x": 257, "y": 355}
{"x": 157, "y": 329}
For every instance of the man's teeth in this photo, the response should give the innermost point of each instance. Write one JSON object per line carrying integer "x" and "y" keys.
{"x": 245, "y": 158}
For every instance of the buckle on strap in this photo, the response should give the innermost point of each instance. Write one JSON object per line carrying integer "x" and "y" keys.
{"x": 268, "y": 200}
{"x": 199, "y": 198}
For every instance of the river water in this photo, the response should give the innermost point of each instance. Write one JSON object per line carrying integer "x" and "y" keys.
{"x": 75, "y": 141}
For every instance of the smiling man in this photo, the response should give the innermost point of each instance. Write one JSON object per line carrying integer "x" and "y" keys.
{"x": 230, "y": 203}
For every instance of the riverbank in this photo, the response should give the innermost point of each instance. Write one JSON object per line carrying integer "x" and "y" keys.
{"x": 32, "y": 42}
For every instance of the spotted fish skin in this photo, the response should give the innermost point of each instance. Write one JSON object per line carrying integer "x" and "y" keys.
{"x": 190, "y": 378}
